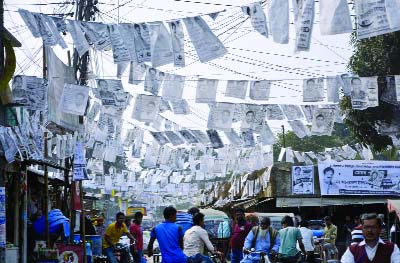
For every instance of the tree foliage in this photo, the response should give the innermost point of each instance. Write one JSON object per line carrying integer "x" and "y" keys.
{"x": 376, "y": 56}
{"x": 340, "y": 136}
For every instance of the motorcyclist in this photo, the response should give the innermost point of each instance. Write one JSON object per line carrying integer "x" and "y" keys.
{"x": 111, "y": 237}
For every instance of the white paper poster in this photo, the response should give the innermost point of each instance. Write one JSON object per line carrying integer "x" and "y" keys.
{"x": 313, "y": 90}
{"x": 260, "y": 90}
{"x": 201, "y": 136}
{"x": 350, "y": 177}
{"x": 152, "y": 82}
{"x": 97, "y": 33}
{"x": 248, "y": 138}
{"x": 274, "y": 112}
{"x": 323, "y": 121}
{"x": 136, "y": 73}
{"x": 206, "y": 90}
{"x": 303, "y": 179}
{"x": 334, "y": 17}
{"x": 292, "y": 112}
{"x": 299, "y": 128}
{"x": 80, "y": 42}
{"x": 258, "y": 18}
{"x": 174, "y": 138}
{"x": 364, "y": 92}
{"x": 332, "y": 86}
{"x": 30, "y": 22}
{"x": 160, "y": 45}
{"x": 188, "y": 136}
{"x": 304, "y": 25}
{"x": 236, "y": 89}
{"x": 308, "y": 111}
{"x": 74, "y": 99}
{"x": 215, "y": 140}
{"x": 278, "y": 15}
{"x": 178, "y": 42}
{"x": 388, "y": 93}
{"x": 392, "y": 12}
{"x": 142, "y": 42}
{"x": 220, "y": 116}
{"x": 180, "y": 107}
{"x": 173, "y": 87}
{"x": 146, "y": 108}
{"x": 207, "y": 45}
{"x": 253, "y": 116}
{"x": 372, "y": 19}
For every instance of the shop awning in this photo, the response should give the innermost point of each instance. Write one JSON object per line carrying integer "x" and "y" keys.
{"x": 320, "y": 201}
{"x": 394, "y": 206}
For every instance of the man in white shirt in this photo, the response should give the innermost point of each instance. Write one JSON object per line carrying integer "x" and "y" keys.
{"x": 372, "y": 249}
{"x": 194, "y": 240}
{"x": 308, "y": 241}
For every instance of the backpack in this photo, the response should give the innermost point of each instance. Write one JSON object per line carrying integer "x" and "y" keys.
{"x": 272, "y": 236}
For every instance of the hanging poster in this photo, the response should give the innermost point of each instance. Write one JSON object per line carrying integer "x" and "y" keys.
{"x": 220, "y": 116}
{"x": 253, "y": 116}
{"x": 258, "y": 18}
{"x": 74, "y": 99}
{"x": 152, "y": 81}
{"x": 178, "y": 42}
{"x": 260, "y": 90}
{"x": 173, "y": 87}
{"x": 313, "y": 90}
{"x": 207, "y": 45}
{"x": 308, "y": 111}
{"x": 180, "y": 107}
{"x": 215, "y": 140}
{"x": 274, "y": 112}
{"x": 351, "y": 177}
{"x": 292, "y": 112}
{"x": 299, "y": 128}
{"x": 146, "y": 108}
{"x": 278, "y": 15}
{"x": 201, "y": 136}
{"x": 334, "y": 17}
{"x": 323, "y": 121}
{"x": 142, "y": 42}
{"x": 188, "y": 136}
{"x": 206, "y": 90}
{"x": 236, "y": 89}
{"x": 304, "y": 25}
{"x": 97, "y": 33}
{"x": 372, "y": 19}
{"x": 160, "y": 45}
{"x": 303, "y": 179}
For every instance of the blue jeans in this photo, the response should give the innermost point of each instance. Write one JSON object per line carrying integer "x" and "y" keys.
{"x": 199, "y": 258}
{"x": 237, "y": 255}
{"x": 137, "y": 256}
{"x": 109, "y": 252}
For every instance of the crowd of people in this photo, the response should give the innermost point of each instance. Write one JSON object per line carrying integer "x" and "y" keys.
{"x": 366, "y": 241}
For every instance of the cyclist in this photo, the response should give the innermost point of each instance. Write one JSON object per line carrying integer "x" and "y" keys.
{"x": 262, "y": 239}
{"x": 194, "y": 240}
{"x": 111, "y": 237}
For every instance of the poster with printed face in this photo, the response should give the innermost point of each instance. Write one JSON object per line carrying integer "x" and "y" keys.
{"x": 80, "y": 42}
{"x": 308, "y": 111}
{"x": 180, "y": 107}
{"x": 351, "y": 177}
{"x": 74, "y": 99}
{"x": 266, "y": 135}
{"x": 127, "y": 33}
{"x": 372, "y": 19}
{"x": 136, "y": 73}
{"x": 364, "y": 92}
{"x": 332, "y": 88}
{"x": 153, "y": 79}
{"x": 220, "y": 116}
{"x": 178, "y": 42}
{"x": 388, "y": 93}
{"x": 313, "y": 90}
{"x": 106, "y": 91}
{"x": 146, "y": 108}
{"x": 253, "y": 116}
{"x": 260, "y": 90}
{"x": 303, "y": 179}
{"x": 142, "y": 42}
{"x": 274, "y": 112}
{"x": 292, "y": 112}
{"x": 206, "y": 90}
{"x": 323, "y": 121}
{"x": 236, "y": 89}
{"x": 248, "y": 138}
{"x": 19, "y": 90}
{"x": 206, "y": 44}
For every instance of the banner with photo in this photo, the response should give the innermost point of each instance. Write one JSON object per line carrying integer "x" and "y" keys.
{"x": 359, "y": 177}
{"x": 303, "y": 179}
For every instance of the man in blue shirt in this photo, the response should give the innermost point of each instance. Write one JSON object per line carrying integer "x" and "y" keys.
{"x": 262, "y": 240}
{"x": 170, "y": 238}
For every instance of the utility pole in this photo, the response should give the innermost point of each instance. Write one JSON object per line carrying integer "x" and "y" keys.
{"x": 283, "y": 136}
{"x": 85, "y": 12}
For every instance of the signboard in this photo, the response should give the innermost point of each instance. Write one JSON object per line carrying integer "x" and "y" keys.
{"x": 359, "y": 177}
{"x": 132, "y": 210}
{"x": 303, "y": 179}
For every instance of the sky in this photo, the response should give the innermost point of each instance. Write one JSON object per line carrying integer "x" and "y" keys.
{"x": 250, "y": 55}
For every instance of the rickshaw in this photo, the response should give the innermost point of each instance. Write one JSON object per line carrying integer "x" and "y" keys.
{"x": 218, "y": 226}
